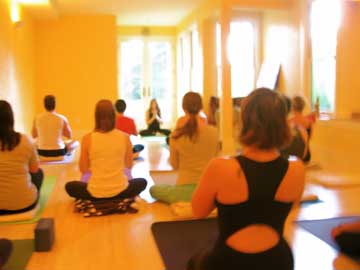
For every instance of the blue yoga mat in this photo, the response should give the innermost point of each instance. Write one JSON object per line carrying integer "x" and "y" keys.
{"x": 321, "y": 228}
{"x": 178, "y": 241}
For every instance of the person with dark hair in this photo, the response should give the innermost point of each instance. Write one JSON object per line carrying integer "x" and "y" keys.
{"x": 347, "y": 236}
{"x": 193, "y": 144}
{"x": 124, "y": 123}
{"x": 153, "y": 120}
{"x": 6, "y": 248}
{"x": 20, "y": 175}
{"x": 298, "y": 119}
{"x": 253, "y": 192}
{"x": 105, "y": 154}
{"x": 298, "y": 145}
{"x": 49, "y": 128}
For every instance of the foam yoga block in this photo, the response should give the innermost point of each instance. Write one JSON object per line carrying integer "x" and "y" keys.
{"x": 44, "y": 234}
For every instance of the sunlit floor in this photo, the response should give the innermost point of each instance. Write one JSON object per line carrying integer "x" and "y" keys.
{"x": 125, "y": 241}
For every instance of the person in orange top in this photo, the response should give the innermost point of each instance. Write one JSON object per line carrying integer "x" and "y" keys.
{"x": 124, "y": 123}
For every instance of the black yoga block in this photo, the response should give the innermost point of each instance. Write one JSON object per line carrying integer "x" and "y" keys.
{"x": 44, "y": 234}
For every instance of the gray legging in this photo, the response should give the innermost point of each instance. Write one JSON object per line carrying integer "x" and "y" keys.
{"x": 78, "y": 190}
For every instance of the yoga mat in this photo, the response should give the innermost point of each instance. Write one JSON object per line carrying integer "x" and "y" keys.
{"x": 22, "y": 250}
{"x": 322, "y": 229}
{"x": 57, "y": 160}
{"x": 178, "y": 241}
{"x": 45, "y": 191}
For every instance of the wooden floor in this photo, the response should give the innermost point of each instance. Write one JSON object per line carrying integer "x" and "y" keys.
{"x": 125, "y": 241}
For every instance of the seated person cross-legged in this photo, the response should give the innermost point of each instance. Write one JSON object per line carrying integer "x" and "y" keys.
{"x": 49, "y": 128}
{"x": 253, "y": 193}
{"x": 347, "y": 236}
{"x": 192, "y": 145}
{"x": 105, "y": 153}
{"x": 127, "y": 125}
{"x": 153, "y": 120}
{"x": 20, "y": 175}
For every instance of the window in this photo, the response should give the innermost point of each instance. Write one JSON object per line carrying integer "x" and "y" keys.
{"x": 324, "y": 28}
{"x": 241, "y": 54}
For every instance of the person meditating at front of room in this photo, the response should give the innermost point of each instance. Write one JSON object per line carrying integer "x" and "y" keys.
{"x": 105, "y": 153}
{"x": 20, "y": 175}
{"x": 153, "y": 120}
{"x": 253, "y": 192}
{"x": 193, "y": 144}
{"x": 49, "y": 128}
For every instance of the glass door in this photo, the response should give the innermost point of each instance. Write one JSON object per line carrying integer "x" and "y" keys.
{"x": 146, "y": 72}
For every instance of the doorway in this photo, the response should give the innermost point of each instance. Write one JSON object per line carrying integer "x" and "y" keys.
{"x": 146, "y": 72}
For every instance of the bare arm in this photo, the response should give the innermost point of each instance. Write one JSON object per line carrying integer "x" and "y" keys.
{"x": 128, "y": 154}
{"x": 205, "y": 193}
{"x": 34, "y": 132}
{"x": 174, "y": 155}
{"x": 67, "y": 130}
{"x": 292, "y": 187}
{"x": 84, "y": 162}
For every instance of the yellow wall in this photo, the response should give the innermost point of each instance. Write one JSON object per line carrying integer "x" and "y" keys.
{"x": 16, "y": 66}
{"x": 76, "y": 60}
{"x": 348, "y": 61}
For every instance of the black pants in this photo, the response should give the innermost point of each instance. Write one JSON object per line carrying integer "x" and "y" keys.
{"x": 150, "y": 132}
{"x": 37, "y": 180}
{"x": 349, "y": 242}
{"x": 5, "y": 251}
{"x": 52, "y": 153}
{"x": 78, "y": 190}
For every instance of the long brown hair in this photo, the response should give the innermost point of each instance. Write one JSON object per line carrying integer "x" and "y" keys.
{"x": 8, "y": 137}
{"x": 157, "y": 107}
{"x": 192, "y": 104}
{"x": 264, "y": 120}
{"x": 104, "y": 116}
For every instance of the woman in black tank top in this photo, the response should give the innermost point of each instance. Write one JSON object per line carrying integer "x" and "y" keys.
{"x": 251, "y": 192}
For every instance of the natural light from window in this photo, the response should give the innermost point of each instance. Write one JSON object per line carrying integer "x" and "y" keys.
{"x": 325, "y": 21}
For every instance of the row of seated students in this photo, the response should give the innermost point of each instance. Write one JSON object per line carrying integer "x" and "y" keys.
{"x": 236, "y": 186}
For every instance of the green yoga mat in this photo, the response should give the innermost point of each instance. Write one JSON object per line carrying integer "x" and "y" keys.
{"x": 22, "y": 250}
{"x": 45, "y": 191}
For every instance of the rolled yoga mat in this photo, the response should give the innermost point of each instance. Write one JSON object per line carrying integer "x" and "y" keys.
{"x": 178, "y": 241}
{"x": 321, "y": 228}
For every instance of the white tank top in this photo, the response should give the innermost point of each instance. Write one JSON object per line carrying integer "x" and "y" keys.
{"x": 49, "y": 127}
{"x": 107, "y": 163}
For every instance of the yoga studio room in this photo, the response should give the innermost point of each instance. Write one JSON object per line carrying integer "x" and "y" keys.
{"x": 179, "y": 134}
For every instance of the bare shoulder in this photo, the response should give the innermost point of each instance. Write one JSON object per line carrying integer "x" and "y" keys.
{"x": 292, "y": 186}
{"x": 223, "y": 167}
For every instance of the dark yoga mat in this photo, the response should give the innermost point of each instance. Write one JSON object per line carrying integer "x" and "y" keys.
{"x": 321, "y": 228}
{"x": 178, "y": 241}
{"x": 22, "y": 251}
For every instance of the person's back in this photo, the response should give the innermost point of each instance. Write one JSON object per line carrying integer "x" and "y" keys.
{"x": 107, "y": 165}
{"x": 126, "y": 124}
{"x": 193, "y": 156}
{"x": 16, "y": 189}
{"x": 253, "y": 192}
{"x": 50, "y": 127}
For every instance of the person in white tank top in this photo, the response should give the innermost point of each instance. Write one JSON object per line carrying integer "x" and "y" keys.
{"x": 105, "y": 154}
{"x": 49, "y": 128}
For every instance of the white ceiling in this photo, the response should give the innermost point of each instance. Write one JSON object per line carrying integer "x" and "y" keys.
{"x": 128, "y": 12}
